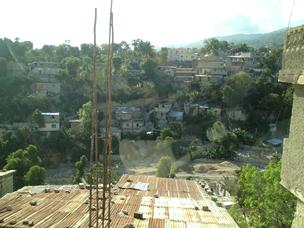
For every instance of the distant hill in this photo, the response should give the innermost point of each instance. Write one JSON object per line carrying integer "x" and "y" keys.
{"x": 271, "y": 39}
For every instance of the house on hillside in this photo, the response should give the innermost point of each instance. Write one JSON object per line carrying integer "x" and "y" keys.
{"x": 160, "y": 114}
{"x": 175, "y": 116}
{"x": 181, "y": 55}
{"x": 132, "y": 126}
{"x": 131, "y": 120}
{"x": 51, "y": 122}
{"x": 45, "y": 74}
{"x": 243, "y": 61}
{"x": 211, "y": 68}
{"x": 183, "y": 77}
{"x": 194, "y": 109}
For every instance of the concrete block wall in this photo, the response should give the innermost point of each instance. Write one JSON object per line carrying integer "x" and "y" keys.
{"x": 292, "y": 160}
{"x": 6, "y": 182}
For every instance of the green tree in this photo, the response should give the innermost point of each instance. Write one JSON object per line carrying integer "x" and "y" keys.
{"x": 163, "y": 55}
{"x": 223, "y": 143}
{"x": 143, "y": 48}
{"x": 80, "y": 169}
{"x": 35, "y": 176}
{"x": 149, "y": 66}
{"x": 21, "y": 161}
{"x": 216, "y": 132}
{"x": 215, "y": 47}
{"x": 176, "y": 129}
{"x": 241, "y": 48}
{"x": 72, "y": 65}
{"x": 243, "y": 136}
{"x": 165, "y": 167}
{"x": 3, "y": 67}
{"x": 38, "y": 118}
{"x": 85, "y": 116}
{"x": 262, "y": 199}
{"x": 272, "y": 61}
{"x": 223, "y": 148}
{"x": 8, "y": 144}
{"x": 165, "y": 132}
{"x": 164, "y": 146}
{"x": 236, "y": 89}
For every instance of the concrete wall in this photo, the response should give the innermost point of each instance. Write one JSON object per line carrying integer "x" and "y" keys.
{"x": 292, "y": 160}
{"x": 6, "y": 182}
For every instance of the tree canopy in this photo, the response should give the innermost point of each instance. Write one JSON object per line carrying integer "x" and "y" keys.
{"x": 262, "y": 198}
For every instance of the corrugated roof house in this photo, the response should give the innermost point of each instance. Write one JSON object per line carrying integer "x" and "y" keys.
{"x": 156, "y": 202}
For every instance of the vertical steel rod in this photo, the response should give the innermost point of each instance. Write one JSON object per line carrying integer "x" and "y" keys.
{"x": 95, "y": 120}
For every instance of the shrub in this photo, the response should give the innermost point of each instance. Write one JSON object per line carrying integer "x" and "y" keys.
{"x": 35, "y": 176}
{"x": 165, "y": 167}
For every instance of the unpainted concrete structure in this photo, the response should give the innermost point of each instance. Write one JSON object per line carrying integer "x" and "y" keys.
{"x": 292, "y": 72}
{"x": 6, "y": 182}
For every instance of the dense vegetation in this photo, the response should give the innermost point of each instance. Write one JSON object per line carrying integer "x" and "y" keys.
{"x": 262, "y": 201}
{"x": 165, "y": 167}
{"x": 136, "y": 76}
{"x": 27, "y": 163}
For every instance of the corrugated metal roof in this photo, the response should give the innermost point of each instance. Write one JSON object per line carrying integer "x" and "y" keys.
{"x": 166, "y": 203}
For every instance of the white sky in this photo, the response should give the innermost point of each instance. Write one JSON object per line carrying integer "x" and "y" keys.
{"x": 163, "y": 22}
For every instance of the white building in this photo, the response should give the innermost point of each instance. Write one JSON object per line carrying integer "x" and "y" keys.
{"x": 51, "y": 122}
{"x": 181, "y": 55}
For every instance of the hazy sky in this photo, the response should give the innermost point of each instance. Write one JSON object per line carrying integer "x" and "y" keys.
{"x": 162, "y": 22}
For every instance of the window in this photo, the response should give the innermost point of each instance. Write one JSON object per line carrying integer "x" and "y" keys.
{"x": 54, "y": 125}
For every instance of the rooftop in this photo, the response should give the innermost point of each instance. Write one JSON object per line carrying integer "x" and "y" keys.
{"x": 162, "y": 202}
{"x": 50, "y": 113}
{"x": 4, "y": 173}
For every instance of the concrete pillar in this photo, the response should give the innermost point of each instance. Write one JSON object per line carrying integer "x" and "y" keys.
{"x": 299, "y": 216}
{"x": 6, "y": 182}
{"x": 292, "y": 72}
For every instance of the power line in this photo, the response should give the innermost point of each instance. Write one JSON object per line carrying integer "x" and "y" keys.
{"x": 293, "y": 4}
